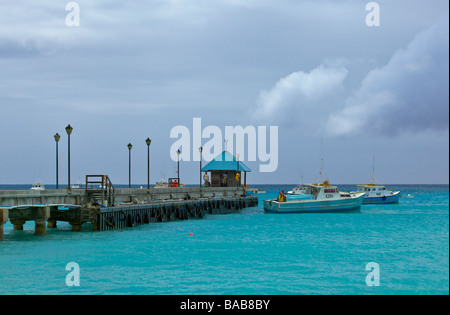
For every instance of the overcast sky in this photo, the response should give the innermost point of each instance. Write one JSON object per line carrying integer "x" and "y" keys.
{"x": 336, "y": 88}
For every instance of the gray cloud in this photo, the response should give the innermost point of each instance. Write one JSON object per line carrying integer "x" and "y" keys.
{"x": 410, "y": 93}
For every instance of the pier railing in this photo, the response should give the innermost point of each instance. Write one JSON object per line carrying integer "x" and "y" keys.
{"x": 100, "y": 189}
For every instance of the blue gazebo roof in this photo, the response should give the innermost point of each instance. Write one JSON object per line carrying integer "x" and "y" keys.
{"x": 225, "y": 162}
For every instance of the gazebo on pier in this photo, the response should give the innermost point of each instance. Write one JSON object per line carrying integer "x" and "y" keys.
{"x": 224, "y": 169}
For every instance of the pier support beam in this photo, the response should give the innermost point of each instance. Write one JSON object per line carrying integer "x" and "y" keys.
{"x": 94, "y": 226}
{"x": 18, "y": 224}
{"x": 76, "y": 227}
{"x": 41, "y": 216}
{"x": 51, "y": 224}
{"x": 3, "y": 220}
{"x": 40, "y": 227}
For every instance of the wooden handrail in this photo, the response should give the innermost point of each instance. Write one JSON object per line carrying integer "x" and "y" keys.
{"x": 106, "y": 187}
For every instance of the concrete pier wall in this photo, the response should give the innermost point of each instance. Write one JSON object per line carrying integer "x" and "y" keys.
{"x": 142, "y": 195}
{"x": 35, "y": 197}
{"x": 78, "y": 196}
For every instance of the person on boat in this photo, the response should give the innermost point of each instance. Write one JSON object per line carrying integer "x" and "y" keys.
{"x": 281, "y": 197}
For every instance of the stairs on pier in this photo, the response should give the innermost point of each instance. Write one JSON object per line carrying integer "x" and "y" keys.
{"x": 100, "y": 190}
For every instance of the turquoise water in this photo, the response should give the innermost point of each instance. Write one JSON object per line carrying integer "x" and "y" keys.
{"x": 245, "y": 253}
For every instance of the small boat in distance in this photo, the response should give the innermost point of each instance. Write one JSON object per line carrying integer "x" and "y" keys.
{"x": 77, "y": 186}
{"x": 255, "y": 191}
{"x": 299, "y": 190}
{"x": 325, "y": 198}
{"x": 162, "y": 184}
{"x": 37, "y": 186}
{"x": 378, "y": 194}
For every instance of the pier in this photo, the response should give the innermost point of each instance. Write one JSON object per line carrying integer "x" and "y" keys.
{"x": 109, "y": 208}
{"x": 134, "y": 215}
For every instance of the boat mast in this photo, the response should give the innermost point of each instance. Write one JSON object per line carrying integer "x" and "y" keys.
{"x": 373, "y": 169}
{"x": 321, "y": 170}
{"x": 301, "y": 178}
{"x": 321, "y": 156}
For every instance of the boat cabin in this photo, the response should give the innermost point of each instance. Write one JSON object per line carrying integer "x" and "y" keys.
{"x": 372, "y": 190}
{"x": 37, "y": 186}
{"x": 323, "y": 191}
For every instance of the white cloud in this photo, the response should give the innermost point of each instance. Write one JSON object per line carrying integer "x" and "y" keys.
{"x": 301, "y": 96}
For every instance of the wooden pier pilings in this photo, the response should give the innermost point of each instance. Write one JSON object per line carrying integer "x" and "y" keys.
{"x": 125, "y": 216}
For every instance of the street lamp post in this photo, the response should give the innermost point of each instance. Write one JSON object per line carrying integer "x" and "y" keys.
{"x": 69, "y": 130}
{"x": 130, "y": 146}
{"x": 178, "y": 171}
{"x": 148, "y": 142}
{"x": 57, "y": 137}
{"x": 200, "y": 150}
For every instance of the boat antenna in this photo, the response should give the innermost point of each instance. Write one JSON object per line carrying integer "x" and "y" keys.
{"x": 300, "y": 174}
{"x": 321, "y": 155}
{"x": 373, "y": 169}
{"x": 321, "y": 170}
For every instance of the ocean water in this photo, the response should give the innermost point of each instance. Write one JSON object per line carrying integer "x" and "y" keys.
{"x": 248, "y": 252}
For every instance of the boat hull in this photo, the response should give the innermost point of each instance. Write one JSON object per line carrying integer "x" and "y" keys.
{"x": 382, "y": 200}
{"x": 314, "y": 206}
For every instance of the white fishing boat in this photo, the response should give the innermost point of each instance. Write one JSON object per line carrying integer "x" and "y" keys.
{"x": 299, "y": 190}
{"x": 378, "y": 194}
{"x": 324, "y": 198}
{"x": 77, "y": 186}
{"x": 37, "y": 186}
